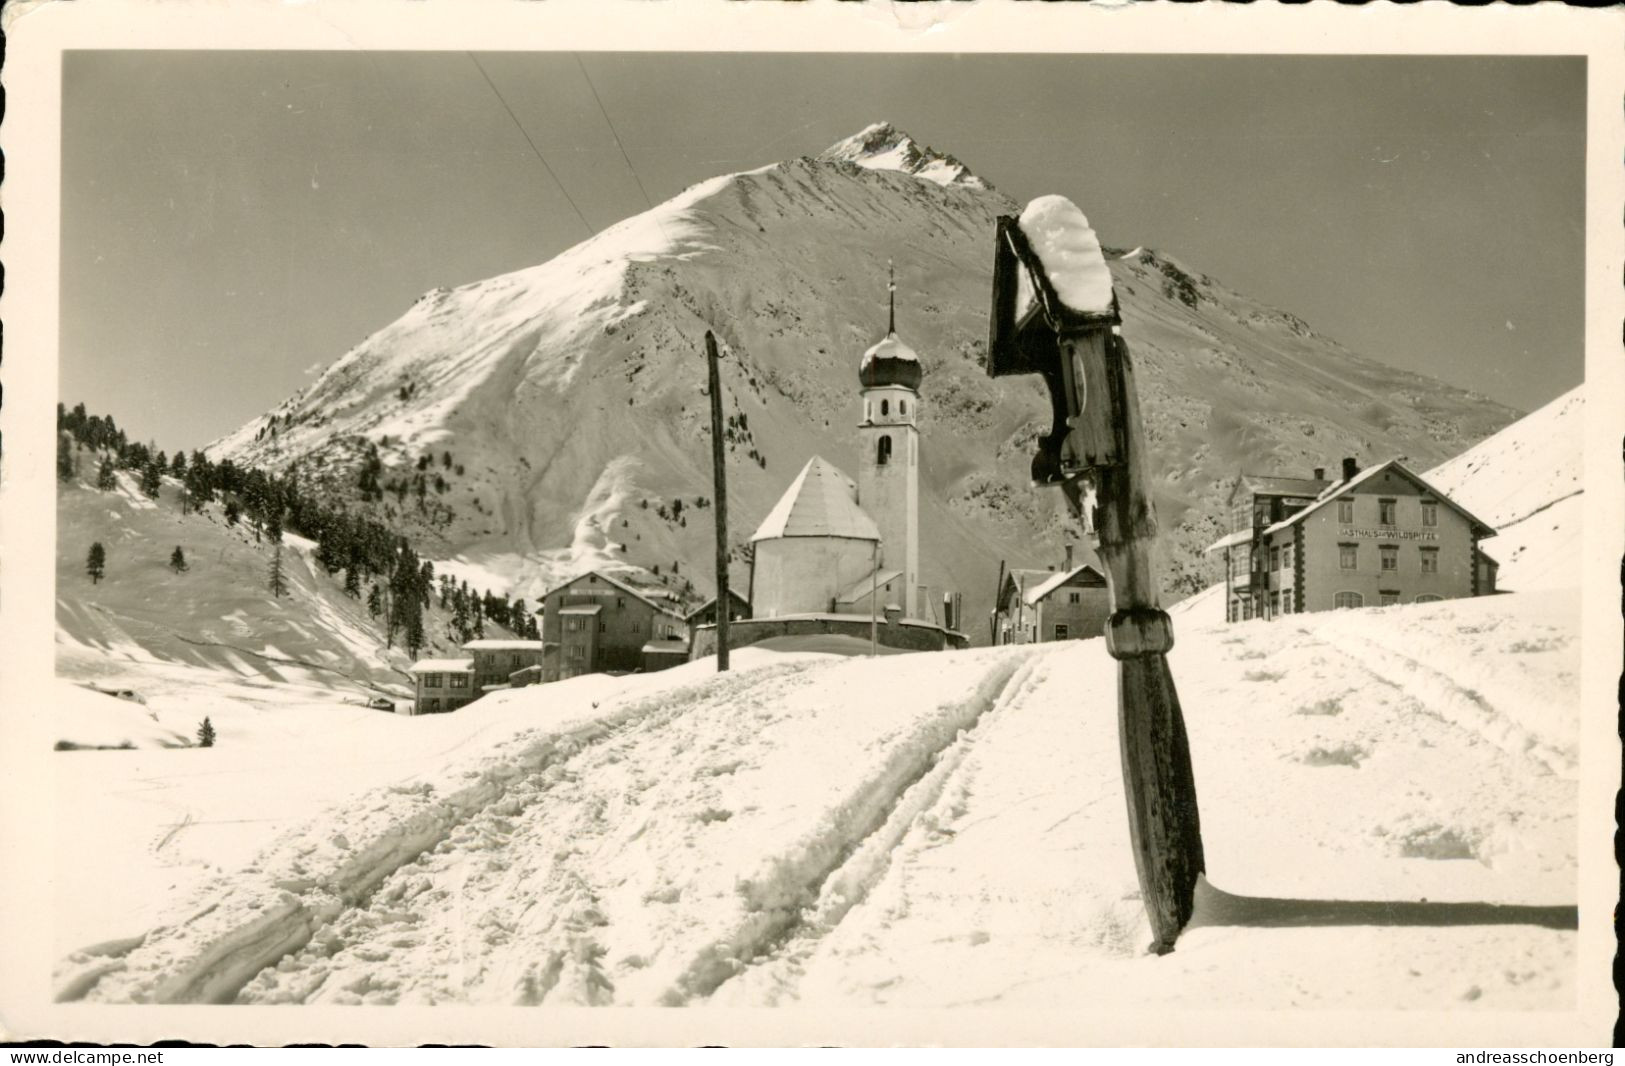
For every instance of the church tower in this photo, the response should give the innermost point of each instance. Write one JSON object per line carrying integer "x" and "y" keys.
{"x": 889, "y": 454}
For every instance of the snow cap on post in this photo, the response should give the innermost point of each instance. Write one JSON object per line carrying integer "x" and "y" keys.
{"x": 1069, "y": 252}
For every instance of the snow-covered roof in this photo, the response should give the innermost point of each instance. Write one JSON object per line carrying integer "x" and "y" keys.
{"x": 1269, "y": 485}
{"x": 650, "y": 596}
{"x": 1039, "y": 591}
{"x": 820, "y": 502}
{"x": 861, "y": 587}
{"x": 667, "y": 646}
{"x": 442, "y": 666}
{"x": 1066, "y": 244}
{"x": 1340, "y": 488}
{"x": 1229, "y": 540}
{"x": 733, "y": 594}
{"x": 582, "y": 608}
{"x": 504, "y": 645}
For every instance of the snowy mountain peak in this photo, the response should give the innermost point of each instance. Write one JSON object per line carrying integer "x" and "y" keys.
{"x": 882, "y": 146}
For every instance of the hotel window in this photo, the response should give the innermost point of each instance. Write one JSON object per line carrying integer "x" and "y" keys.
{"x": 1246, "y": 610}
{"x": 1390, "y": 556}
{"x": 458, "y": 681}
{"x": 1388, "y": 597}
{"x": 577, "y": 652}
{"x": 1060, "y": 632}
{"x": 1348, "y": 599}
{"x": 573, "y": 624}
{"x": 1275, "y": 558}
{"x": 637, "y": 627}
{"x": 1430, "y": 513}
{"x": 1345, "y": 510}
{"x": 883, "y": 449}
{"x": 1286, "y": 556}
{"x": 431, "y": 680}
{"x": 1286, "y": 603}
{"x": 1385, "y": 510}
{"x": 1074, "y": 597}
{"x": 514, "y": 660}
{"x": 1348, "y": 556}
{"x": 1275, "y": 602}
{"x": 620, "y": 601}
{"x": 603, "y": 626}
{"x": 1430, "y": 560}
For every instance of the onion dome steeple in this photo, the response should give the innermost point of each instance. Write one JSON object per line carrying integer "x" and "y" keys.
{"x": 891, "y": 362}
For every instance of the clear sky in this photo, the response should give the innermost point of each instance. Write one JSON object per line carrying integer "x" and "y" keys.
{"x": 232, "y": 222}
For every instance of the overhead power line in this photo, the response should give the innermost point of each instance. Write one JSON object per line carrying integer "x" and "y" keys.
{"x": 539, "y": 157}
{"x": 646, "y": 201}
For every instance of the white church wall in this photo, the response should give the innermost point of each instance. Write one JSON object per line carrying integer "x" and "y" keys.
{"x": 801, "y": 575}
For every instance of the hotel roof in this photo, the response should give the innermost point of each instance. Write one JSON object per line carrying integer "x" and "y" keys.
{"x": 442, "y": 666}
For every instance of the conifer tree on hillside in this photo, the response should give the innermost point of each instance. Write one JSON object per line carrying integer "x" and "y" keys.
{"x": 234, "y": 511}
{"x": 150, "y": 479}
{"x": 352, "y": 581}
{"x": 106, "y": 479}
{"x": 65, "y": 468}
{"x": 205, "y": 733}
{"x": 375, "y": 601}
{"x": 177, "y": 465}
{"x": 279, "y": 587}
{"x": 177, "y": 560}
{"x": 96, "y": 562}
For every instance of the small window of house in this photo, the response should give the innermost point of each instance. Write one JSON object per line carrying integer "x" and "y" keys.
{"x": 1430, "y": 560}
{"x": 1345, "y": 510}
{"x": 459, "y": 681}
{"x": 1386, "y": 510}
{"x": 432, "y": 681}
{"x": 1286, "y": 556}
{"x": 1430, "y": 513}
{"x": 1390, "y": 557}
{"x": 1275, "y": 602}
{"x": 1348, "y": 556}
{"x": 1060, "y": 632}
{"x": 1345, "y": 600}
{"x": 1286, "y": 603}
{"x": 883, "y": 449}
{"x": 1074, "y": 597}
{"x": 1389, "y": 597}
{"x": 1275, "y": 558}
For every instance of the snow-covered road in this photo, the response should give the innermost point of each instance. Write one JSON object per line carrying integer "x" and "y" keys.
{"x": 933, "y": 830}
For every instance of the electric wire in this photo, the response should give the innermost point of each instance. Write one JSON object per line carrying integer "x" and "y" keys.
{"x": 539, "y": 157}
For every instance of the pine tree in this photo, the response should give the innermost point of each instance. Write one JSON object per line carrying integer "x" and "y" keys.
{"x": 106, "y": 479}
{"x": 96, "y": 562}
{"x": 64, "y": 457}
{"x": 205, "y": 733}
{"x": 352, "y": 581}
{"x": 375, "y": 601}
{"x": 177, "y": 560}
{"x": 150, "y": 479}
{"x": 279, "y": 587}
{"x": 234, "y": 511}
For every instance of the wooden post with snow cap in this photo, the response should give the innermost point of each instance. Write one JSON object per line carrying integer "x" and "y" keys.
{"x": 1055, "y": 314}
{"x": 719, "y": 480}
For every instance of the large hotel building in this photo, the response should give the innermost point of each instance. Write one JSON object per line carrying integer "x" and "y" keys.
{"x": 1371, "y": 538}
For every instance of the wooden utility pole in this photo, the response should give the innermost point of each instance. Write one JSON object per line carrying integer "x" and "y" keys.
{"x": 719, "y": 482}
{"x": 1095, "y": 451}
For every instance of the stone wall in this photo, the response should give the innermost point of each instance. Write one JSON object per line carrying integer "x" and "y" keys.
{"x": 911, "y": 636}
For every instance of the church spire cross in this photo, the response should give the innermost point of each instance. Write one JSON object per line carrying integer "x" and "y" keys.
{"x": 891, "y": 299}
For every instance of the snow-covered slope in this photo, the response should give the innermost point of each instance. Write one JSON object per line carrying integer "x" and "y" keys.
{"x": 561, "y": 409}
{"x": 215, "y": 629}
{"x": 1528, "y": 482}
{"x": 1388, "y": 807}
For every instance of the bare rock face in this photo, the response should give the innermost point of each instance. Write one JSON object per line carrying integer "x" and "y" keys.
{"x": 554, "y": 419}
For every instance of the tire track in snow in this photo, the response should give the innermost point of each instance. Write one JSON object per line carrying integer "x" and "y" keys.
{"x": 182, "y": 965}
{"x": 1452, "y": 702}
{"x": 839, "y": 870}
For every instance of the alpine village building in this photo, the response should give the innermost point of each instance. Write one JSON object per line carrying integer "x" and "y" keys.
{"x": 1034, "y": 606}
{"x": 1370, "y": 538}
{"x": 441, "y": 685}
{"x": 603, "y": 623}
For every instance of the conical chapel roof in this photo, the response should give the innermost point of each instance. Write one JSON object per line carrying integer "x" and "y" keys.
{"x": 820, "y": 502}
